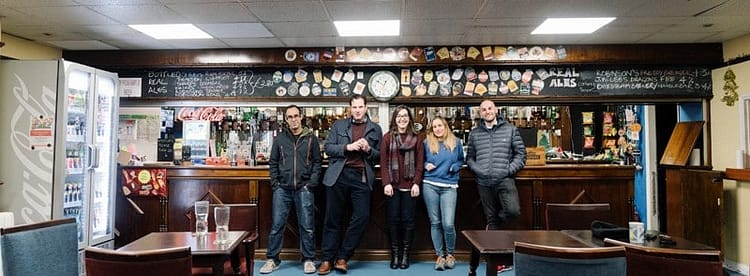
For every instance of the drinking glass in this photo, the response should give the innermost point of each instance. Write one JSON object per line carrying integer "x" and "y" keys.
{"x": 201, "y": 217}
{"x": 221, "y": 216}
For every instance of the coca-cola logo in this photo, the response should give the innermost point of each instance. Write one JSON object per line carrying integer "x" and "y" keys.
{"x": 213, "y": 114}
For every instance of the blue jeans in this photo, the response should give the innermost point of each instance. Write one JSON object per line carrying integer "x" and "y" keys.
{"x": 441, "y": 208}
{"x": 349, "y": 188}
{"x": 304, "y": 206}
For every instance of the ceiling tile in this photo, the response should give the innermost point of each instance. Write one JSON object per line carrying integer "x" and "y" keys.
{"x": 364, "y": 10}
{"x": 293, "y": 11}
{"x": 72, "y": 15}
{"x": 253, "y": 42}
{"x": 302, "y": 29}
{"x": 82, "y": 45}
{"x": 214, "y": 13}
{"x": 196, "y": 43}
{"x": 559, "y": 8}
{"x": 444, "y": 9}
{"x": 236, "y": 30}
{"x": 139, "y": 43}
{"x": 36, "y": 3}
{"x": 434, "y": 27}
{"x": 117, "y": 2}
{"x": 141, "y": 14}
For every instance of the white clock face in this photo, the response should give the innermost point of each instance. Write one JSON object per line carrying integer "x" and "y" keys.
{"x": 383, "y": 85}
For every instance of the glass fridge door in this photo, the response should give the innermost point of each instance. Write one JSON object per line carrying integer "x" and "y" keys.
{"x": 77, "y": 93}
{"x": 102, "y": 160}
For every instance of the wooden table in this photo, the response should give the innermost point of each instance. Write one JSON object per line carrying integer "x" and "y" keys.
{"x": 498, "y": 245}
{"x": 203, "y": 249}
{"x": 586, "y": 237}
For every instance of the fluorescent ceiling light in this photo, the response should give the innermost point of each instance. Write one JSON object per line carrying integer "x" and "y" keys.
{"x": 368, "y": 27}
{"x": 572, "y": 25}
{"x": 171, "y": 31}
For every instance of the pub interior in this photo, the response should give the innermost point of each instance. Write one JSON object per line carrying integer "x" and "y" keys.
{"x": 654, "y": 129}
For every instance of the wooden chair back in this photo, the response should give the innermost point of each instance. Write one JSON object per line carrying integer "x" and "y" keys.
{"x": 162, "y": 262}
{"x": 644, "y": 260}
{"x": 563, "y": 216}
{"x": 49, "y": 247}
{"x": 534, "y": 259}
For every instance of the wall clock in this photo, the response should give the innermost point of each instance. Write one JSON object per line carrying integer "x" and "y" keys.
{"x": 383, "y": 85}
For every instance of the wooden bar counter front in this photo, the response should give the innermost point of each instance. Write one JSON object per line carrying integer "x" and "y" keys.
{"x": 537, "y": 185}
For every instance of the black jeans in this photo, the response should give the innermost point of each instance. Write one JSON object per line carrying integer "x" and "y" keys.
{"x": 400, "y": 213}
{"x": 348, "y": 188}
{"x": 500, "y": 202}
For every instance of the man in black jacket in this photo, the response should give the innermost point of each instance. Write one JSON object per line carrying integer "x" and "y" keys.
{"x": 295, "y": 171}
{"x": 496, "y": 153}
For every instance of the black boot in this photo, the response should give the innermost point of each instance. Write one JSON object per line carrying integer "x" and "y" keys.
{"x": 408, "y": 239}
{"x": 395, "y": 257}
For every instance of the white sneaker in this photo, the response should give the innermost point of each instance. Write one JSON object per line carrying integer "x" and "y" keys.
{"x": 309, "y": 267}
{"x": 269, "y": 267}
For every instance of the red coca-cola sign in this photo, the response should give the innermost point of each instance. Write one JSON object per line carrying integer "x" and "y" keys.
{"x": 213, "y": 114}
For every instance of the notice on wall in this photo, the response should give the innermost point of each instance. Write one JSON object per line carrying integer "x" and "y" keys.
{"x": 130, "y": 87}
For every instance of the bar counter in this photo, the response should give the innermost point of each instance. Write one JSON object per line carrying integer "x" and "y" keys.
{"x": 537, "y": 185}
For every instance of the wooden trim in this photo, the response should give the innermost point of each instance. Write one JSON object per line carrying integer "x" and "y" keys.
{"x": 39, "y": 225}
{"x": 737, "y": 174}
{"x": 632, "y": 54}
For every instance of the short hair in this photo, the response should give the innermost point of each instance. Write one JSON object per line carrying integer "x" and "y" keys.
{"x": 357, "y": 97}
{"x": 286, "y": 109}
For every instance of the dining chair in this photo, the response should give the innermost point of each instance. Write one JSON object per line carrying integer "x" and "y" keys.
{"x": 159, "y": 262}
{"x": 49, "y": 247}
{"x": 536, "y": 259}
{"x": 563, "y": 216}
{"x": 242, "y": 217}
{"x": 645, "y": 260}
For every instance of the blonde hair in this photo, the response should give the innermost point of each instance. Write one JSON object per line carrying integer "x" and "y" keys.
{"x": 449, "y": 139}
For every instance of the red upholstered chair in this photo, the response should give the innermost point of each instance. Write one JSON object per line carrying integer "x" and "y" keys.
{"x": 652, "y": 261}
{"x": 242, "y": 217}
{"x": 162, "y": 262}
{"x": 562, "y": 216}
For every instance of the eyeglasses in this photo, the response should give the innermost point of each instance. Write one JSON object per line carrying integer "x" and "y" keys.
{"x": 402, "y": 116}
{"x": 292, "y": 117}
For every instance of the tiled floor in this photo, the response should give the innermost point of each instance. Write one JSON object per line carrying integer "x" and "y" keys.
{"x": 289, "y": 268}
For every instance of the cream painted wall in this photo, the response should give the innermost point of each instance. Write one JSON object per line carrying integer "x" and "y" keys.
{"x": 18, "y": 48}
{"x": 724, "y": 145}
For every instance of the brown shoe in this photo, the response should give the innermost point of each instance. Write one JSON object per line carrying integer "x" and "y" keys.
{"x": 340, "y": 265}
{"x": 324, "y": 268}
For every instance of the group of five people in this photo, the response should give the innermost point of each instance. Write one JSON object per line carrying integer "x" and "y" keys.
{"x": 410, "y": 165}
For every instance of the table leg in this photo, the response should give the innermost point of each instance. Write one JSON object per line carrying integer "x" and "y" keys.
{"x": 218, "y": 268}
{"x": 234, "y": 259}
{"x": 473, "y": 262}
{"x": 492, "y": 262}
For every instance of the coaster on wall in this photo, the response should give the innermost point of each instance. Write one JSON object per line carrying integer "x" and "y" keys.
{"x": 316, "y": 90}
{"x": 277, "y": 76}
{"x": 505, "y": 75}
{"x": 432, "y": 88}
{"x": 458, "y": 88}
{"x": 443, "y": 77}
{"x": 421, "y": 89}
{"x": 344, "y": 87}
{"x": 290, "y": 55}
{"x": 492, "y": 88}
{"x": 403, "y": 53}
{"x": 280, "y": 91}
{"x": 515, "y": 75}
{"x": 428, "y": 75}
{"x": 293, "y": 89}
{"x": 288, "y": 75}
{"x": 445, "y": 89}
{"x": 304, "y": 90}
{"x": 483, "y": 76}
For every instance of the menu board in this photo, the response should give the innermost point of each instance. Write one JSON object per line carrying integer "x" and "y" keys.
{"x": 466, "y": 81}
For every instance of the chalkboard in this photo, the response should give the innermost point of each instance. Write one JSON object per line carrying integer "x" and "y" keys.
{"x": 575, "y": 81}
{"x": 192, "y": 83}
